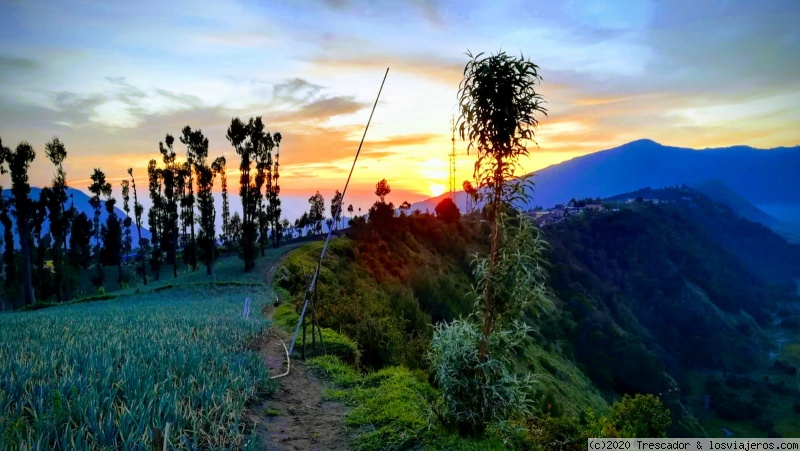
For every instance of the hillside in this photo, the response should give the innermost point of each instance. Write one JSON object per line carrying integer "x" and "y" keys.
{"x": 81, "y": 202}
{"x": 766, "y": 178}
{"x": 649, "y": 299}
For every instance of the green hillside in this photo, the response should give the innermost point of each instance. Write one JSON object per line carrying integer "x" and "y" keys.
{"x": 644, "y": 301}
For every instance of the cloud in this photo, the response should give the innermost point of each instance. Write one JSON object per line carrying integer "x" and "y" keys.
{"x": 320, "y": 110}
{"x": 428, "y": 66}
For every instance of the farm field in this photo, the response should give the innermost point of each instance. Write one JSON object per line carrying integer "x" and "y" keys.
{"x": 104, "y": 374}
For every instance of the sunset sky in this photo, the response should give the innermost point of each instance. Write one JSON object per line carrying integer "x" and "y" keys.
{"x": 112, "y": 78}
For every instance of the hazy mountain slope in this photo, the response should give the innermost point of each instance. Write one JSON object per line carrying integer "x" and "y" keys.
{"x": 763, "y": 177}
{"x": 721, "y": 193}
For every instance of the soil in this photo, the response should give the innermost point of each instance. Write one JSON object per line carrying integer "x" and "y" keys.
{"x": 295, "y": 417}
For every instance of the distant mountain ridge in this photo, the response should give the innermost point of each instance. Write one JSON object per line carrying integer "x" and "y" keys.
{"x": 765, "y": 178}
{"x": 81, "y": 202}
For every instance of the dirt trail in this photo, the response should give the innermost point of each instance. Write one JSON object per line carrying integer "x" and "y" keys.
{"x": 295, "y": 417}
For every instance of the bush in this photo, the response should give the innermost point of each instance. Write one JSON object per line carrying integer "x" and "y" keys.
{"x": 640, "y": 416}
{"x": 477, "y": 392}
{"x": 332, "y": 368}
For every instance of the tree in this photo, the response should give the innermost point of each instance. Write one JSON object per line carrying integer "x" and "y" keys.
{"x": 632, "y": 417}
{"x": 350, "y": 210}
{"x": 381, "y": 212}
{"x": 194, "y": 141}
{"x": 19, "y": 161}
{"x": 447, "y": 210}
{"x": 473, "y": 358}
{"x": 226, "y": 209}
{"x": 197, "y": 146}
{"x": 336, "y": 212}
{"x": 59, "y": 219}
{"x": 472, "y": 195}
{"x": 404, "y": 207}
{"x": 274, "y": 211}
{"x": 498, "y": 106}
{"x": 127, "y": 239}
{"x": 9, "y": 256}
{"x": 155, "y": 217}
{"x": 251, "y": 142}
{"x": 80, "y": 241}
{"x": 382, "y": 189}
{"x": 113, "y": 242}
{"x": 317, "y": 212}
{"x": 138, "y": 209}
{"x": 99, "y": 187}
{"x": 169, "y": 176}
{"x": 236, "y": 227}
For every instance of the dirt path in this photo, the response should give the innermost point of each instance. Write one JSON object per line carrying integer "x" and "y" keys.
{"x": 295, "y": 417}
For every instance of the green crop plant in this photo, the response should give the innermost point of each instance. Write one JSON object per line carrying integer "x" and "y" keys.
{"x": 103, "y": 375}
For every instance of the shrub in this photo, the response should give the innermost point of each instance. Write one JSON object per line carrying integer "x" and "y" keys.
{"x": 476, "y": 391}
{"x": 640, "y": 416}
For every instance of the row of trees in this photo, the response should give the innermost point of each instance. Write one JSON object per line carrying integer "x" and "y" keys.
{"x": 182, "y": 219}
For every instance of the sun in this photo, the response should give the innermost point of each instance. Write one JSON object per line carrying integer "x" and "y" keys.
{"x": 436, "y": 189}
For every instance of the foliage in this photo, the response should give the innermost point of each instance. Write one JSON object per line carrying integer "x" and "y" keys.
{"x": 479, "y": 391}
{"x": 317, "y": 211}
{"x": 103, "y": 374}
{"x": 476, "y": 369}
{"x": 632, "y": 417}
{"x": 19, "y": 162}
{"x": 138, "y": 209}
{"x": 382, "y": 189}
{"x": 447, "y": 210}
{"x": 386, "y": 285}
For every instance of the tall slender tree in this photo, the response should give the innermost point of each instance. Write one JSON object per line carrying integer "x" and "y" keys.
{"x": 275, "y": 190}
{"x": 197, "y": 152}
{"x": 226, "y": 209}
{"x": 155, "y": 217}
{"x": 499, "y": 106}
{"x": 246, "y": 139}
{"x": 189, "y": 199}
{"x": 316, "y": 213}
{"x": 99, "y": 187}
{"x": 59, "y": 219}
{"x": 127, "y": 239}
{"x": 336, "y": 210}
{"x": 138, "y": 209}
{"x": 19, "y": 161}
{"x": 9, "y": 256}
{"x": 169, "y": 175}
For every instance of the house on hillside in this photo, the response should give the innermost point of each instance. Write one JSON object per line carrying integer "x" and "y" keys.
{"x": 595, "y": 207}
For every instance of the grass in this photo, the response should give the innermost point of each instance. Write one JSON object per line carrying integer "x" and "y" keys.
{"x": 335, "y": 343}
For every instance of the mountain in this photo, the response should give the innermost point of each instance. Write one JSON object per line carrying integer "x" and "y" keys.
{"x": 765, "y": 178}
{"x": 81, "y": 202}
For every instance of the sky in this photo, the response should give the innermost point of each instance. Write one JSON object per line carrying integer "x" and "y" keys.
{"x": 111, "y": 79}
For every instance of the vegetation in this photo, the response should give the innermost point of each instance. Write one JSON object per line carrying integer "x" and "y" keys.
{"x": 129, "y": 366}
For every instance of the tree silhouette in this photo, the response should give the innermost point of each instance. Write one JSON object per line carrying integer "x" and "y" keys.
{"x": 138, "y": 209}
{"x": 472, "y": 195}
{"x": 155, "y": 217}
{"x": 382, "y": 189}
{"x": 226, "y": 209}
{"x": 194, "y": 142}
{"x": 169, "y": 176}
{"x": 59, "y": 219}
{"x": 317, "y": 212}
{"x": 19, "y": 161}
{"x": 380, "y": 211}
{"x": 498, "y": 104}
{"x": 99, "y": 187}
{"x": 80, "y": 241}
{"x": 127, "y": 239}
{"x": 404, "y": 207}
{"x": 274, "y": 208}
{"x": 350, "y": 211}
{"x": 447, "y": 210}
{"x": 336, "y": 212}
{"x": 112, "y": 237}
{"x": 197, "y": 148}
